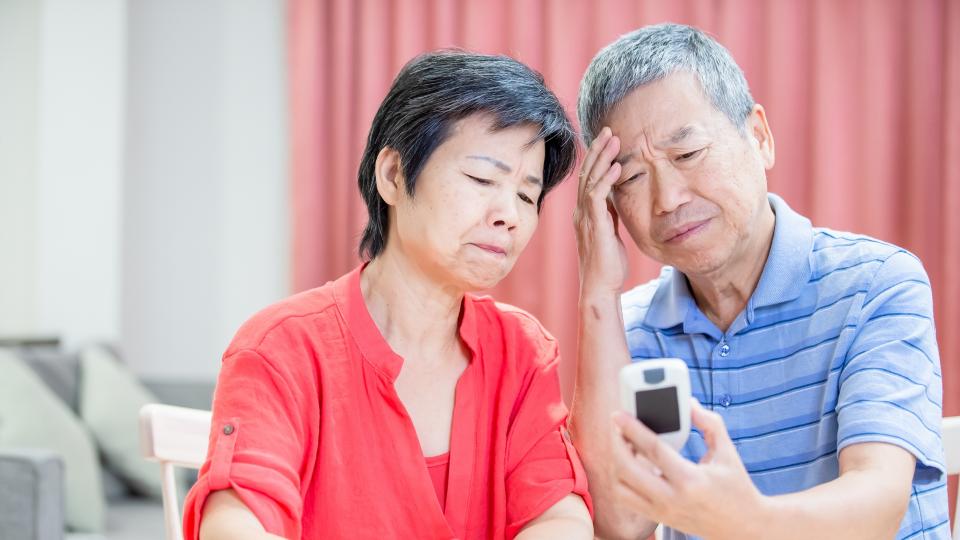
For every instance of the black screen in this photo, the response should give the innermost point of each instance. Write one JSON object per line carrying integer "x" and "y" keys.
{"x": 658, "y": 410}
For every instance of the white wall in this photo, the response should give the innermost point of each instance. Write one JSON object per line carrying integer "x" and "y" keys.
{"x": 19, "y": 64}
{"x": 61, "y": 63}
{"x": 143, "y": 174}
{"x": 205, "y": 208}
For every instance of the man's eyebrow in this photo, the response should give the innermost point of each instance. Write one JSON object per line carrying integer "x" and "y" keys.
{"x": 680, "y": 134}
{"x": 623, "y": 159}
{"x": 506, "y": 168}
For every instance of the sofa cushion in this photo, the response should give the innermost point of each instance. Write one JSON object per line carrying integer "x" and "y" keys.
{"x": 58, "y": 369}
{"x": 32, "y": 416}
{"x": 110, "y": 401}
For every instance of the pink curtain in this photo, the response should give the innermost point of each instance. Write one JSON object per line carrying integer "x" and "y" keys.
{"x": 863, "y": 98}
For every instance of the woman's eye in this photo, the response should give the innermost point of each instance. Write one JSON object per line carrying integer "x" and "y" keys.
{"x": 689, "y": 155}
{"x": 481, "y": 181}
{"x": 525, "y": 198}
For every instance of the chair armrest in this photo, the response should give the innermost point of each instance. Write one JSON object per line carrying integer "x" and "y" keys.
{"x": 31, "y": 494}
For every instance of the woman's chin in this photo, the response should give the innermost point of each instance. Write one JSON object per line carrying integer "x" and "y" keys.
{"x": 478, "y": 279}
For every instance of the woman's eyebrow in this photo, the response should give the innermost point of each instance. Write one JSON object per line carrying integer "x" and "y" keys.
{"x": 506, "y": 168}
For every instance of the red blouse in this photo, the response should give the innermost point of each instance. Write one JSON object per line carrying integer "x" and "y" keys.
{"x": 309, "y": 432}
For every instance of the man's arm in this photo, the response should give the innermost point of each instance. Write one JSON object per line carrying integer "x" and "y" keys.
{"x": 225, "y": 517}
{"x": 602, "y": 346}
{"x": 716, "y": 498}
{"x": 568, "y": 518}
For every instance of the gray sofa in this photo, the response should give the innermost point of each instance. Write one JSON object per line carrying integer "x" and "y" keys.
{"x": 32, "y": 496}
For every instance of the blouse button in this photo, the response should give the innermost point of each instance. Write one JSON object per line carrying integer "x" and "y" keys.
{"x": 228, "y": 429}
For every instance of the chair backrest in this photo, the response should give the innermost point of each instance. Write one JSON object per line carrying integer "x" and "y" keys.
{"x": 951, "y": 451}
{"x": 174, "y": 437}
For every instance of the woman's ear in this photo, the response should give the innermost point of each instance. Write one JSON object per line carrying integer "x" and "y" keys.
{"x": 389, "y": 173}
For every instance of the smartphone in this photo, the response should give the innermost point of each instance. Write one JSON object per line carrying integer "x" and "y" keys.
{"x": 657, "y": 393}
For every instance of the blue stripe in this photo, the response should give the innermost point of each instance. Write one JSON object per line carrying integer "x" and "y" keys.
{"x": 895, "y": 285}
{"x": 780, "y": 322}
{"x": 885, "y": 315}
{"x": 894, "y": 404}
{"x": 937, "y": 526}
{"x": 841, "y": 268}
{"x": 785, "y": 391}
{"x": 792, "y": 466}
{"x": 894, "y": 373}
{"x": 925, "y": 354}
{"x": 770, "y": 360}
{"x": 815, "y": 422}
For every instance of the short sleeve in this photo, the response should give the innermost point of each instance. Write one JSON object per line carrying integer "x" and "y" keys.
{"x": 891, "y": 383}
{"x": 542, "y": 465}
{"x": 256, "y": 446}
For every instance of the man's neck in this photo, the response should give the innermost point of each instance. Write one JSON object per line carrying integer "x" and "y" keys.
{"x": 722, "y": 295}
{"x": 417, "y": 316}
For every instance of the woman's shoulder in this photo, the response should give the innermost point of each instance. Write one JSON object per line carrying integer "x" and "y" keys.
{"x": 504, "y": 323}
{"x": 286, "y": 320}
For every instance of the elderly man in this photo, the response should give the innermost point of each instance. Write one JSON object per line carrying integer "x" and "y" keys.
{"x": 812, "y": 351}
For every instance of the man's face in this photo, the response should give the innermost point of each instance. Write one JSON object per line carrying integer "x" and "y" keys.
{"x": 692, "y": 186}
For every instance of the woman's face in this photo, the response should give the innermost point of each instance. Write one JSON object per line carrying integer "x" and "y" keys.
{"x": 475, "y": 205}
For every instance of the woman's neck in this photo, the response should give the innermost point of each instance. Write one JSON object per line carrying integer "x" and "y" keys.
{"x": 417, "y": 316}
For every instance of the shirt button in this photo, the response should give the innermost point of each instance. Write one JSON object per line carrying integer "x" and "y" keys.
{"x": 724, "y": 350}
{"x": 228, "y": 429}
{"x": 725, "y": 400}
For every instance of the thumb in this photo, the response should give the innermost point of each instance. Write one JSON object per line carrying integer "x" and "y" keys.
{"x": 711, "y": 425}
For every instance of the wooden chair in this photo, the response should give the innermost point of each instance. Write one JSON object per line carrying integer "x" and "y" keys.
{"x": 174, "y": 437}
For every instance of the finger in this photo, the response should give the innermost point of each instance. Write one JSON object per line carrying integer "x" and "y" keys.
{"x": 603, "y": 163}
{"x": 674, "y": 467}
{"x": 614, "y": 216}
{"x": 714, "y": 432}
{"x": 596, "y": 146}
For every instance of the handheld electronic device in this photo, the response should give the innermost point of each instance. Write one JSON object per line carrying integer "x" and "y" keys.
{"x": 657, "y": 393}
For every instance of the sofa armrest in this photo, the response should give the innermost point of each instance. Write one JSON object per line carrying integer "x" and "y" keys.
{"x": 31, "y": 494}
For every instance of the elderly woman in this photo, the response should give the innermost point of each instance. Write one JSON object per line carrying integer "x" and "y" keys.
{"x": 392, "y": 402}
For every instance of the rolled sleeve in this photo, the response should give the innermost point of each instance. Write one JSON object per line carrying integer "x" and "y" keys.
{"x": 255, "y": 448}
{"x": 891, "y": 384}
{"x": 542, "y": 465}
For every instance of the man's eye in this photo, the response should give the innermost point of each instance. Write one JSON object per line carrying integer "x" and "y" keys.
{"x": 627, "y": 180}
{"x": 689, "y": 155}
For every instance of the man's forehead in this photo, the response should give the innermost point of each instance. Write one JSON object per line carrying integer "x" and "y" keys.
{"x": 657, "y": 140}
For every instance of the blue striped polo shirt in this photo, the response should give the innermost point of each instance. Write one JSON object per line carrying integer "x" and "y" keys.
{"x": 836, "y": 346}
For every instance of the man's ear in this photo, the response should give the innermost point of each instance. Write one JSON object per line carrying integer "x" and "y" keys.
{"x": 389, "y": 173}
{"x": 759, "y": 130}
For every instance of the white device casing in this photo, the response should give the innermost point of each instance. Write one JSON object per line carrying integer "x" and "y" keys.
{"x": 675, "y": 373}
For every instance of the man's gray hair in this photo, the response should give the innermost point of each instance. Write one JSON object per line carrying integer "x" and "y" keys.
{"x": 650, "y": 54}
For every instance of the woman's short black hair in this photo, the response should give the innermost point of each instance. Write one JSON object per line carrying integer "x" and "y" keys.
{"x": 435, "y": 90}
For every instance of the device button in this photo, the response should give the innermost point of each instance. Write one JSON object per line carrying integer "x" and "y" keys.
{"x": 725, "y": 400}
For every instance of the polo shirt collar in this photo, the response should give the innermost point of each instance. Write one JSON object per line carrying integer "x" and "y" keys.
{"x": 784, "y": 274}
{"x": 366, "y": 335}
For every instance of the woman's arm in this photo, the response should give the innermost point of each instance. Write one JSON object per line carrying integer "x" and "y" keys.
{"x": 568, "y": 518}
{"x": 225, "y": 517}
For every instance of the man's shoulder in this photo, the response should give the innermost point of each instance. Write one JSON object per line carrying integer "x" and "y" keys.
{"x": 850, "y": 259}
